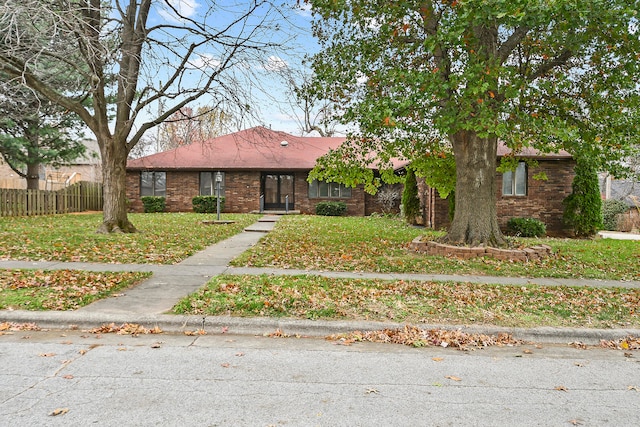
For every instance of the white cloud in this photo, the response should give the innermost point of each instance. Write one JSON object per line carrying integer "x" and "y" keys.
{"x": 184, "y": 9}
{"x": 275, "y": 63}
{"x": 304, "y": 9}
{"x": 204, "y": 61}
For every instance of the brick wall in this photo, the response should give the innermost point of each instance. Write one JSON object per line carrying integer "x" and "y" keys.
{"x": 543, "y": 200}
{"x": 181, "y": 188}
{"x": 374, "y": 202}
{"x": 355, "y": 204}
{"x": 242, "y": 193}
{"x": 133, "y": 191}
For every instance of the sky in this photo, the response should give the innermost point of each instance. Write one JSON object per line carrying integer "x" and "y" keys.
{"x": 270, "y": 102}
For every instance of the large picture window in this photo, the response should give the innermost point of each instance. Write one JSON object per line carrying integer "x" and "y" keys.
{"x": 515, "y": 183}
{"x": 208, "y": 183}
{"x": 153, "y": 184}
{"x": 328, "y": 190}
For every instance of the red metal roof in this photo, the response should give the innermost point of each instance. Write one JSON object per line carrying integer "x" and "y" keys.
{"x": 255, "y": 148}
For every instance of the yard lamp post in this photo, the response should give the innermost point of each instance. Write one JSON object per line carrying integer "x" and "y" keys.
{"x": 218, "y": 181}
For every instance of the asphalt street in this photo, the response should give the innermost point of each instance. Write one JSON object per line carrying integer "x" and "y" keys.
{"x": 240, "y": 380}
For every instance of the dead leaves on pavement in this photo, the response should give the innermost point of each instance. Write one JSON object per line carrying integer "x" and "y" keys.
{"x": 10, "y": 327}
{"x": 125, "y": 329}
{"x": 416, "y": 337}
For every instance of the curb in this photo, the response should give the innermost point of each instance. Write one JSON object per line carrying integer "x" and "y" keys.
{"x": 177, "y": 324}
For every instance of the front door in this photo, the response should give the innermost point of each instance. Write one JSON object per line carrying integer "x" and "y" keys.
{"x": 276, "y": 187}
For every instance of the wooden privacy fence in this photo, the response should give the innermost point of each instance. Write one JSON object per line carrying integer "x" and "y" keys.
{"x": 79, "y": 197}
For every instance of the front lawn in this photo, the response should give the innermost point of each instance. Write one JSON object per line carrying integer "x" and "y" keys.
{"x": 60, "y": 289}
{"x": 375, "y": 244}
{"x": 316, "y": 297}
{"x": 165, "y": 238}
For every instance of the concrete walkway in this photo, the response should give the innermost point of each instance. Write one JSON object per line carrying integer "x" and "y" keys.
{"x": 148, "y": 302}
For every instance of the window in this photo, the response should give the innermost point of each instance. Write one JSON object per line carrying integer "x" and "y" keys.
{"x": 208, "y": 183}
{"x": 333, "y": 190}
{"x": 153, "y": 184}
{"x": 515, "y": 183}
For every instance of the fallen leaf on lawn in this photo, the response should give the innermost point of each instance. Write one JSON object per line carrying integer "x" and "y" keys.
{"x": 453, "y": 378}
{"x": 47, "y": 354}
{"x": 437, "y": 359}
{"x": 560, "y": 388}
{"x": 59, "y": 411}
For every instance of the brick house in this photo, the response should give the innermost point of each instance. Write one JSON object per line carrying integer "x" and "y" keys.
{"x": 258, "y": 167}
{"x": 518, "y": 194}
{"x": 262, "y": 164}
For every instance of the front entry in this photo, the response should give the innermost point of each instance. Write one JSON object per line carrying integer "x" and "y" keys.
{"x": 275, "y": 188}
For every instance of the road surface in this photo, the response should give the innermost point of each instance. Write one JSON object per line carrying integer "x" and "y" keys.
{"x": 235, "y": 380}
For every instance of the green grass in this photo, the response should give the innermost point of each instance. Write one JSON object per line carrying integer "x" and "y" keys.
{"x": 375, "y": 244}
{"x": 371, "y": 244}
{"x": 164, "y": 238}
{"x": 60, "y": 289}
{"x": 316, "y": 297}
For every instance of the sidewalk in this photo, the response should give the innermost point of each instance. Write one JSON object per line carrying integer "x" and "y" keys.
{"x": 146, "y": 303}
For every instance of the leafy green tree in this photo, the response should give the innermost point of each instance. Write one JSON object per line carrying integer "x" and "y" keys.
{"x": 583, "y": 207}
{"x": 425, "y": 76}
{"x": 410, "y": 200}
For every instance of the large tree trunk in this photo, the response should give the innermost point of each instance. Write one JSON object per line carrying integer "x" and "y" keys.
{"x": 475, "y": 221}
{"x": 33, "y": 176}
{"x": 114, "y": 178}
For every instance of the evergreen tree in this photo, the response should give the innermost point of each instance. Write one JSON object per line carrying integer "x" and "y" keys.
{"x": 583, "y": 207}
{"x": 35, "y": 132}
{"x": 410, "y": 200}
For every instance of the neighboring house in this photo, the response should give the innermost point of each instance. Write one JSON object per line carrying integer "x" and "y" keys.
{"x": 259, "y": 168}
{"x": 85, "y": 168}
{"x": 629, "y": 192}
{"x": 518, "y": 194}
